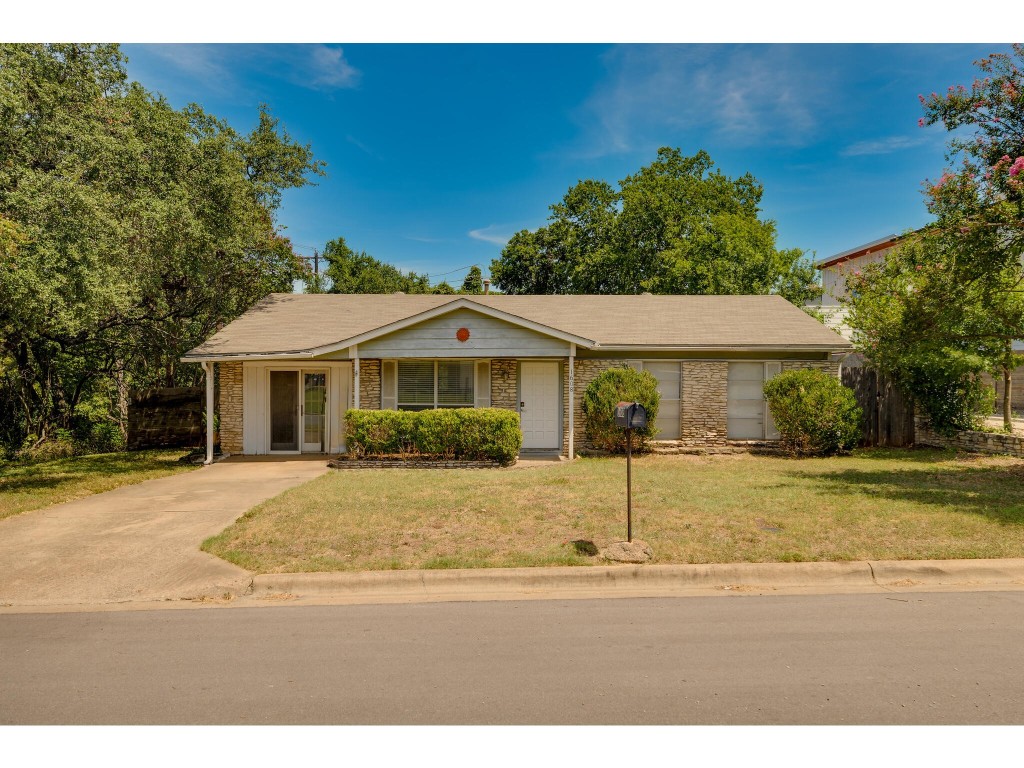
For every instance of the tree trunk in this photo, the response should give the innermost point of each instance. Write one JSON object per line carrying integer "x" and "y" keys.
{"x": 1007, "y": 398}
{"x": 120, "y": 381}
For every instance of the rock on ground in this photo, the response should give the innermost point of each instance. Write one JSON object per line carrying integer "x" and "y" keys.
{"x": 628, "y": 552}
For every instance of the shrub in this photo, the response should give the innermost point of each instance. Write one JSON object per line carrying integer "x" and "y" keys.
{"x": 449, "y": 433}
{"x": 610, "y": 388}
{"x": 379, "y": 433}
{"x": 813, "y": 412}
{"x": 105, "y": 437}
{"x": 949, "y": 392}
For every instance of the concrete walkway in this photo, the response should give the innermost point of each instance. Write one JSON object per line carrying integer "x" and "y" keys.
{"x": 139, "y": 542}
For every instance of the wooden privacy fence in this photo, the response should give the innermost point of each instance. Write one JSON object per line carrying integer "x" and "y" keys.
{"x": 888, "y": 414}
{"x": 166, "y": 418}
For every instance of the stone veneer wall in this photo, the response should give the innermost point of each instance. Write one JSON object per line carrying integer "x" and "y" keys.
{"x": 369, "y": 384}
{"x": 505, "y": 384}
{"x": 704, "y": 403}
{"x": 230, "y": 406}
{"x": 586, "y": 372}
{"x": 828, "y": 366}
{"x": 974, "y": 442}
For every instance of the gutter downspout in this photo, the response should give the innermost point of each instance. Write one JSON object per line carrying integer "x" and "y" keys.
{"x": 572, "y": 399}
{"x": 208, "y": 370}
{"x": 354, "y": 354}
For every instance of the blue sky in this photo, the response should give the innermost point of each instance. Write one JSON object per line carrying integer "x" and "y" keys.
{"x": 438, "y": 153}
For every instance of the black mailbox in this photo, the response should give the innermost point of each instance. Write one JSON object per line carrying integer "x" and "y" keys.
{"x": 630, "y": 416}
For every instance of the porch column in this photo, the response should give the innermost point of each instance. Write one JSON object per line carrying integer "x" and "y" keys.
{"x": 353, "y": 352}
{"x": 208, "y": 369}
{"x": 572, "y": 397}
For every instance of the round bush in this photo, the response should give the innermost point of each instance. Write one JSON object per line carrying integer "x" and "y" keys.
{"x": 813, "y": 412}
{"x": 604, "y": 393}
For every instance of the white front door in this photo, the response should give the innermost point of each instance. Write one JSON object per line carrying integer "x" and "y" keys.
{"x": 538, "y": 411}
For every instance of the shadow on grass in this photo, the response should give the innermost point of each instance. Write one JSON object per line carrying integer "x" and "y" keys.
{"x": 16, "y": 477}
{"x": 996, "y": 493}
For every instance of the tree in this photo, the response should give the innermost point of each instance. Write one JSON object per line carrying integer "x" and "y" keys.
{"x": 474, "y": 282}
{"x": 676, "y": 226}
{"x": 443, "y": 288}
{"x": 949, "y": 303}
{"x": 351, "y": 272}
{"x": 979, "y": 228}
{"x": 132, "y": 231}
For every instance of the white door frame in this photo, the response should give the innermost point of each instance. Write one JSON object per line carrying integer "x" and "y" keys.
{"x": 300, "y": 386}
{"x": 525, "y": 398}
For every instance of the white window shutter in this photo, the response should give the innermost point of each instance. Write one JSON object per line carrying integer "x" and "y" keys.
{"x": 771, "y": 432}
{"x": 389, "y": 385}
{"x": 483, "y": 384}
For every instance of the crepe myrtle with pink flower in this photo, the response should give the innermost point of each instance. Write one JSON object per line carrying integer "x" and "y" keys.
{"x": 953, "y": 290}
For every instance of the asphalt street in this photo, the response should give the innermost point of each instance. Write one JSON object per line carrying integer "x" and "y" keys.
{"x": 932, "y": 658}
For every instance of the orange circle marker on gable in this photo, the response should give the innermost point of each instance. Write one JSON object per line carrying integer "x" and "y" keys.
{"x": 462, "y": 334}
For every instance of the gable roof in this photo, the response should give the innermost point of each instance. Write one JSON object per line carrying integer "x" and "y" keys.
{"x": 312, "y": 324}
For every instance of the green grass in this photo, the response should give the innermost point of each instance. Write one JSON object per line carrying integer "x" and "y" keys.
{"x": 27, "y": 486}
{"x": 879, "y": 504}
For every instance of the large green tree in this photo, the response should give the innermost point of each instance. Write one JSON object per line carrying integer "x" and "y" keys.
{"x": 130, "y": 231}
{"x": 351, "y": 272}
{"x": 677, "y": 226}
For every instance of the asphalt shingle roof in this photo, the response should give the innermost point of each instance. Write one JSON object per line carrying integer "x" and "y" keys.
{"x": 286, "y": 323}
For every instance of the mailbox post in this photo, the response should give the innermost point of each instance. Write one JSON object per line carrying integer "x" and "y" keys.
{"x": 630, "y": 416}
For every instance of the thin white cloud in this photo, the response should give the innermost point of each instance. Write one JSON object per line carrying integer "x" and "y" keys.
{"x": 326, "y": 68}
{"x": 489, "y": 235}
{"x": 744, "y": 94}
{"x": 315, "y": 67}
{"x": 359, "y": 145}
{"x": 420, "y": 239}
{"x": 883, "y": 146}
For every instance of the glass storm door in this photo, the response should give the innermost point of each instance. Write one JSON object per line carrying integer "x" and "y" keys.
{"x": 314, "y": 411}
{"x": 284, "y": 410}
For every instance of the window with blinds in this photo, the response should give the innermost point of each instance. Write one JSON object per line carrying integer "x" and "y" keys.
{"x": 455, "y": 383}
{"x": 416, "y": 385}
{"x": 425, "y": 384}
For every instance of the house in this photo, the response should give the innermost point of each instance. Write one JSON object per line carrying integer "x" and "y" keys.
{"x": 833, "y": 278}
{"x": 290, "y": 367}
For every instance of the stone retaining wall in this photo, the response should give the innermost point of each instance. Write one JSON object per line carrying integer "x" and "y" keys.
{"x": 398, "y": 464}
{"x": 230, "y": 406}
{"x": 974, "y": 442}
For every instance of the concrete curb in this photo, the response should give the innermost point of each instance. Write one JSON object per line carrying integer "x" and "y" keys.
{"x": 488, "y": 583}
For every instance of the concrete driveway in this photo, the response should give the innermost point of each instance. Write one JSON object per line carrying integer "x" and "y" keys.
{"x": 139, "y": 542}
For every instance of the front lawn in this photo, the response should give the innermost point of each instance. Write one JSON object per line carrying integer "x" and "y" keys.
{"x": 875, "y": 505}
{"x": 25, "y": 486}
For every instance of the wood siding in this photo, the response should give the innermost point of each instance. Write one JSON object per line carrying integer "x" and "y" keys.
{"x": 488, "y": 337}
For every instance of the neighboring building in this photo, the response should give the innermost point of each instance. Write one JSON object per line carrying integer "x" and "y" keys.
{"x": 292, "y": 365}
{"x": 833, "y": 279}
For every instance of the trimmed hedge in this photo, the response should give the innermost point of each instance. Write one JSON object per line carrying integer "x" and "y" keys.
{"x": 813, "y": 412}
{"x": 602, "y": 395}
{"x": 472, "y": 434}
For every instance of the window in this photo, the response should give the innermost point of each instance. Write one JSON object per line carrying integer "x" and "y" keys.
{"x": 427, "y": 384}
{"x": 667, "y": 374}
{"x": 748, "y": 414}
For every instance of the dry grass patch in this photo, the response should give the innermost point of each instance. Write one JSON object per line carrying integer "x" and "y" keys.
{"x": 27, "y": 486}
{"x": 877, "y": 504}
